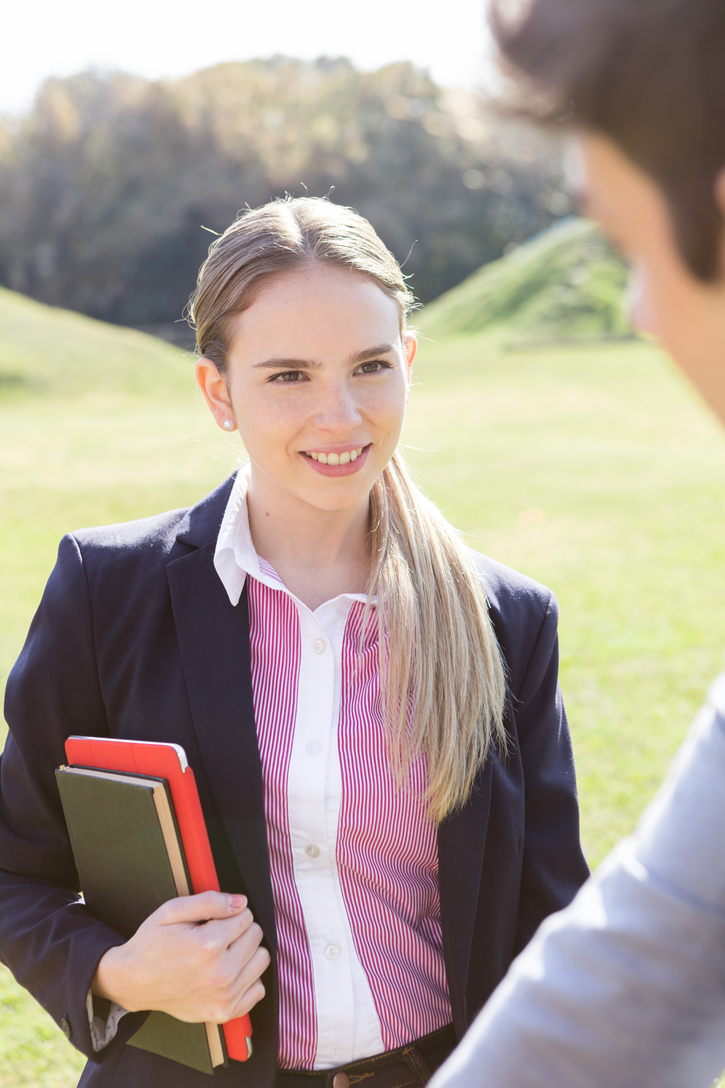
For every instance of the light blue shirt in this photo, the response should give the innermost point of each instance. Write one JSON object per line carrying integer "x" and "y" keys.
{"x": 626, "y": 987}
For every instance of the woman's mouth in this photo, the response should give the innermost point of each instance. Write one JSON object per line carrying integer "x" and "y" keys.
{"x": 337, "y": 462}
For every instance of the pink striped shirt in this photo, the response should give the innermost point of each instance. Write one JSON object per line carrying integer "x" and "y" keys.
{"x": 353, "y": 858}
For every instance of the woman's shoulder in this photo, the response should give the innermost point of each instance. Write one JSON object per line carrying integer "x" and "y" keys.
{"x": 158, "y": 536}
{"x": 512, "y": 592}
{"x": 524, "y": 612}
{"x": 155, "y": 533}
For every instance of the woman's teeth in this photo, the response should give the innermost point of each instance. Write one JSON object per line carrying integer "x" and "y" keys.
{"x": 336, "y": 458}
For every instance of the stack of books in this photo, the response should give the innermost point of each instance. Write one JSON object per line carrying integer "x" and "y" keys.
{"x": 139, "y": 839}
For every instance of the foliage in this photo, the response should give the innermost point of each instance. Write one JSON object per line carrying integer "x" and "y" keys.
{"x": 567, "y": 283}
{"x": 106, "y": 184}
{"x": 592, "y": 468}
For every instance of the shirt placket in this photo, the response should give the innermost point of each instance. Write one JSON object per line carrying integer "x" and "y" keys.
{"x": 313, "y": 772}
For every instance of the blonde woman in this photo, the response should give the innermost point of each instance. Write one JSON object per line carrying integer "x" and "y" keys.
{"x": 371, "y": 709}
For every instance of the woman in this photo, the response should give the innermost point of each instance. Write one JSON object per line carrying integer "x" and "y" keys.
{"x": 371, "y": 710}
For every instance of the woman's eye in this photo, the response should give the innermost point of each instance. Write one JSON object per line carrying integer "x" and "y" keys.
{"x": 374, "y": 367}
{"x": 288, "y": 376}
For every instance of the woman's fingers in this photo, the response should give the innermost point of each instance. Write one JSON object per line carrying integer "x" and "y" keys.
{"x": 246, "y": 943}
{"x": 196, "y": 958}
{"x": 214, "y": 939}
{"x": 249, "y": 999}
{"x": 245, "y": 989}
{"x": 193, "y": 909}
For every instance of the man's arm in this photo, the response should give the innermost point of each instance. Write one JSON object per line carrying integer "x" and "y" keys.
{"x": 626, "y": 987}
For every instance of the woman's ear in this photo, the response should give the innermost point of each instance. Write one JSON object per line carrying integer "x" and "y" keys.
{"x": 410, "y": 343}
{"x": 720, "y": 201}
{"x": 215, "y": 393}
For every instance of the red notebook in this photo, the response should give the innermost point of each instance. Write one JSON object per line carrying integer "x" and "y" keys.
{"x": 168, "y": 761}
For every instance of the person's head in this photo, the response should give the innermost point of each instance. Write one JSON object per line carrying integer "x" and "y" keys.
{"x": 300, "y": 314}
{"x": 641, "y": 85}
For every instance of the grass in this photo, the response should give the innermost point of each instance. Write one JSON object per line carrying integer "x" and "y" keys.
{"x": 591, "y": 468}
{"x": 566, "y": 282}
{"x": 598, "y": 473}
{"x": 33, "y": 1051}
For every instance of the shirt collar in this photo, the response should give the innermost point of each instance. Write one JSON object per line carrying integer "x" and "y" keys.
{"x": 234, "y": 555}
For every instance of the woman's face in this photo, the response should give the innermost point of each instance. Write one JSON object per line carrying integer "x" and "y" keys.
{"x": 666, "y": 298}
{"x": 317, "y": 383}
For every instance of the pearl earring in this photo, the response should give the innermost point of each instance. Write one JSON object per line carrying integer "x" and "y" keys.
{"x": 228, "y": 425}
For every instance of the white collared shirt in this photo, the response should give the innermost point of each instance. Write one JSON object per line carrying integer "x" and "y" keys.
{"x": 353, "y": 859}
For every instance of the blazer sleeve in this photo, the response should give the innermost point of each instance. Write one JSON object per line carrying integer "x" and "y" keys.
{"x": 554, "y": 866}
{"x": 47, "y": 939}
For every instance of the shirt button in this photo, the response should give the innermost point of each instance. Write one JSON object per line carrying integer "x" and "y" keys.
{"x": 319, "y": 646}
{"x": 332, "y": 951}
{"x": 313, "y": 747}
{"x": 312, "y": 851}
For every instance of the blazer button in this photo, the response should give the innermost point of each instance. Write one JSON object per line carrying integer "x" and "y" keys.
{"x": 65, "y": 1027}
{"x": 341, "y": 1080}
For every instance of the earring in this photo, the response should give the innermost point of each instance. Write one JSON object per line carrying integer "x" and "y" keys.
{"x": 228, "y": 425}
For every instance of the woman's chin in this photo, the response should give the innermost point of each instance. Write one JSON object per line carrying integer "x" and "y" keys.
{"x": 341, "y": 492}
{"x": 321, "y": 486}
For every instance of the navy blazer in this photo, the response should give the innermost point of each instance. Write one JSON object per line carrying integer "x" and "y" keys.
{"x": 136, "y": 637}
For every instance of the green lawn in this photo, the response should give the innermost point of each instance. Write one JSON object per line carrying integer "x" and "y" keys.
{"x": 594, "y": 470}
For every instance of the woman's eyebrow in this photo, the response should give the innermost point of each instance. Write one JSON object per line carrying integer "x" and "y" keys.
{"x": 313, "y": 364}
{"x": 289, "y": 364}
{"x": 370, "y": 353}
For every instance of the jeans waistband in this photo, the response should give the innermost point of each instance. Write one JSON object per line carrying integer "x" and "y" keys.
{"x": 408, "y": 1066}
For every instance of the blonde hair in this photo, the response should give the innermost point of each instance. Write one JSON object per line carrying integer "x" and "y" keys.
{"x": 442, "y": 677}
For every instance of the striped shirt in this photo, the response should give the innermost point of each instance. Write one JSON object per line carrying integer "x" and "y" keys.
{"x": 353, "y": 858}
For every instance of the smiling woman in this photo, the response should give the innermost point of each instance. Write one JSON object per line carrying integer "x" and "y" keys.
{"x": 371, "y": 710}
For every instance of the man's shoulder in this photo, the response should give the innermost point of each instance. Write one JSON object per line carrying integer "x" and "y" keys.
{"x": 716, "y": 695}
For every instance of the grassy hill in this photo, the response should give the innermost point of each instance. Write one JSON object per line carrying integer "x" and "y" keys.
{"x": 591, "y": 467}
{"x": 45, "y": 351}
{"x": 565, "y": 284}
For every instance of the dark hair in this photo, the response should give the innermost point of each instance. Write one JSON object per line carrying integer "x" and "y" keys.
{"x": 650, "y": 75}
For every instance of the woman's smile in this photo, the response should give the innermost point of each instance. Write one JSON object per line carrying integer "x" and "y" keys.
{"x": 342, "y": 461}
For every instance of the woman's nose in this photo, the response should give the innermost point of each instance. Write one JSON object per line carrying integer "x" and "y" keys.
{"x": 337, "y": 410}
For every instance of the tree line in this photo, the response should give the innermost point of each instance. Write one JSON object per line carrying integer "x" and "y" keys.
{"x": 110, "y": 184}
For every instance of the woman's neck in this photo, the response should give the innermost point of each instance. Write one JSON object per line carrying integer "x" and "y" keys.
{"x": 318, "y": 554}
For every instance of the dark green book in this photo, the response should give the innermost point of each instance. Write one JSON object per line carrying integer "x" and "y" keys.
{"x": 130, "y": 861}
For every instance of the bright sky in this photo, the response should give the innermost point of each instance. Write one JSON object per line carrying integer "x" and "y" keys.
{"x": 172, "y": 38}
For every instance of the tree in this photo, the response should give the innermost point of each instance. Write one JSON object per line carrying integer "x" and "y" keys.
{"x": 107, "y": 184}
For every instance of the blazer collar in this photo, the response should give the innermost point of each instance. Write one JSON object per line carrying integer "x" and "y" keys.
{"x": 201, "y": 523}
{"x": 213, "y": 639}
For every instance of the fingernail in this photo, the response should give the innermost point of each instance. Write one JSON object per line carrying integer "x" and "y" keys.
{"x": 237, "y": 902}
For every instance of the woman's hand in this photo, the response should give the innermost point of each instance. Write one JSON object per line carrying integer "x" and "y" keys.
{"x": 197, "y": 958}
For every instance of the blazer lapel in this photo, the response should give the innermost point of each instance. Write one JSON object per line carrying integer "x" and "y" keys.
{"x": 214, "y": 642}
{"x": 461, "y": 843}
